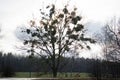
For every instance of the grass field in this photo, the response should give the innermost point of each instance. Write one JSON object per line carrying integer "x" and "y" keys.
{"x": 43, "y": 75}
{"x": 61, "y": 76}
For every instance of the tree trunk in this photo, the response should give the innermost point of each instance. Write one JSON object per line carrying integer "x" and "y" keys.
{"x": 54, "y": 72}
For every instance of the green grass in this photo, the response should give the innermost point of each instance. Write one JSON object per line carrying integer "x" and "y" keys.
{"x": 61, "y": 76}
{"x": 21, "y": 74}
{"x": 43, "y": 75}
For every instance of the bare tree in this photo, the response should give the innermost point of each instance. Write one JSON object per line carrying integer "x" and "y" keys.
{"x": 110, "y": 42}
{"x": 112, "y": 39}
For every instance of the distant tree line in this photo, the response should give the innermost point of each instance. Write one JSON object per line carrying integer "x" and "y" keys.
{"x": 9, "y": 64}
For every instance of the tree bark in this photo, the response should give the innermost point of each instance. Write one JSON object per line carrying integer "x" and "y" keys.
{"x": 54, "y": 72}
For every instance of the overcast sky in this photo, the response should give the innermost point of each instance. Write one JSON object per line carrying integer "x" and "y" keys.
{"x": 14, "y": 13}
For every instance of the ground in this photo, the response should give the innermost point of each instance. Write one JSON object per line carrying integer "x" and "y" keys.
{"x": 48, "y": 76}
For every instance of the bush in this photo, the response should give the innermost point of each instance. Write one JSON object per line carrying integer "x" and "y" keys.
{"x": 7, "y": 71}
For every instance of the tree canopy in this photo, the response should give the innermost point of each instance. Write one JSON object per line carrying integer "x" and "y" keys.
{"x": 60, "y": 30}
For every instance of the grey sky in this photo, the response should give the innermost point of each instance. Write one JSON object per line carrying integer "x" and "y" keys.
{"x": 14, "y": 13}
